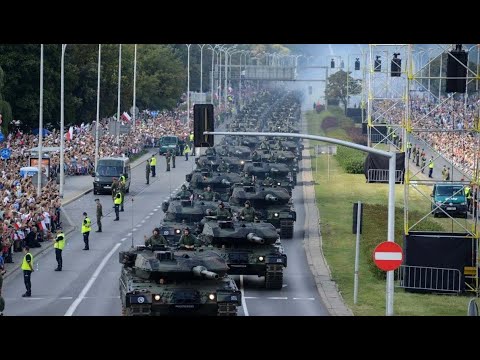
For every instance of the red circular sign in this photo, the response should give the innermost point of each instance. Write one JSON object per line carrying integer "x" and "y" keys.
{"x": 388, "y": 256}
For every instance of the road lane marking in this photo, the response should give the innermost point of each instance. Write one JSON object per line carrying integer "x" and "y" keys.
{"x": 251, "y": 297}
{"x": 129, "y": 234}
{"x": 142, "y": 222}
{"x": 90, "y": 282}
{"x": 123, "y": 239}
{"x": 151, "y": 214}
{"x": 147, "y": 217}
{"x": 303, "y": 298}
{"x": 155, "y": 209}
{"x": 277, "y": 298}
{"x": 66, "y": 298}
{"x": 244, "y": 303}
{"x": 134, "y": 229}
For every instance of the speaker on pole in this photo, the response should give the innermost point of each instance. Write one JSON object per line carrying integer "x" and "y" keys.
{"x": 396, "y": 65}
{"x": 457, "y": 68}
{"x": 203, "y": 120}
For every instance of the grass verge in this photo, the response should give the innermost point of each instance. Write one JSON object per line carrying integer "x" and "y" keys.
{"x": 335, "y": 195}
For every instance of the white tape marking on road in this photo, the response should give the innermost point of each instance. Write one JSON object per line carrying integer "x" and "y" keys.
{"x": 142, "y": 222}
{"x": 129, "y": 234}
{"x": 134, "y": 229}
{"x": 303, "y": 298}
{"x": 123, "y": 239}
{"x": 66, "y": 298}
{"x": 151, "y": 214}
{"x": 388, "y": 256}
{"x": 244, "y": 303}
{"x": 90, "y": 282}
{"x": 155, "y": 209}
{"x": 147, "y": 217}
{"x": 277, "y": 298}
{"x": 251, "y": 297}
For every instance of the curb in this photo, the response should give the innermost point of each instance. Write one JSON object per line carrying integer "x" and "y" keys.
{"x": 40, "y": 254}
{"x": 327, "y": 288}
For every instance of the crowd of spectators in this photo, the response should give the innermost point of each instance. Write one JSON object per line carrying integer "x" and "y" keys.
{"x": 446, "y": 125}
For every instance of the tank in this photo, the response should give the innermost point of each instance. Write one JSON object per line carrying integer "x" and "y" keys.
{"x": 241, "y": 152}
{"x": 212, "y": 162}
{"x": 280, "y": 173}
{"x": 220, "y": 183}
{"x": 248, "y": 248}
{"x": 271, "y": 204}
{"x": 180, "y": 214}
{"x": 163, "y": 281}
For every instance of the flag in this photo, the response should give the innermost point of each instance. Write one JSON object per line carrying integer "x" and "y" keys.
{"x": 17, "y": 225}
{"x": 126, "y": 117}
{"x": 41, "y": 226}
{"x": 69, "y": 134}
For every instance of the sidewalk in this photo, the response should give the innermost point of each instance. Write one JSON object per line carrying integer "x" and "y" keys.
{"x": 74, "y": 188}
{"x": 327, "y": 288}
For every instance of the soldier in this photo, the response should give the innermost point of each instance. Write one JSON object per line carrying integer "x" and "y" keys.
{"x": 184, "y": 194}
{"x": 174, "y": 155}
{"x": 264, "y": 145}
{"x": 223, "y": 167}
{"x": 167, "y": 158}
{"x": 115, "y": 187}
{"x": 59, "y": 244}
{"x": 268, "y": 181}
{"x": 122, "y": 191}
{"x": 187, "y": 240}
{"x": 147, "y": 172}
{"x": 86, "y": 227}
{"x": 99, "y": 215}
{"x": 208, "y": 194}
{"x": 247, "y": 213}
{"x": 222, "y": 213}
{"x": 444, "y": 173}
{"x": 156, "y": 239}
{"x": 424, "y": 160}
{"x": 256, "y": 156}
{"x": 117, "y": 201}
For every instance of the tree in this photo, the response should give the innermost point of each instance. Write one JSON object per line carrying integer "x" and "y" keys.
{"x": 5, "y": 109}
{"x": 336, "y": 87}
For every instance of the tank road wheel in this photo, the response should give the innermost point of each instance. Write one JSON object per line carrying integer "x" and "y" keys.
{"x": 286, "y": 230}
{"x": 274, "y": 277}
{"x": 226, "y": 309}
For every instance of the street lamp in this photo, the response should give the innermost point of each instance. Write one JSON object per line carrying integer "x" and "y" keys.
{"x": 40, "y": 129}
{"x": 119, "y": 84}
{"x": 98, "y": 106}
{"x": 201, "y": 67}
{"x": 188, "y": 81}
{"x": 211, "y": 74}
{"x": 134, "y": 87}
{"x": 62, "y": 120}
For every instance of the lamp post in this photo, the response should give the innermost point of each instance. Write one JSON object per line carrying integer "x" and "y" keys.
{"x": 227, "y": 55}
{"x": 62, "y": 121}
{"x": 188, "y": 82}
{"x": 97, "y": 125}
{"x": 119, "y": 85}
{"x": 201, "y": 67}
{"x": 134, "y": 88}
{"x": 40, "y": 129}
{"x": 211, "y": 73}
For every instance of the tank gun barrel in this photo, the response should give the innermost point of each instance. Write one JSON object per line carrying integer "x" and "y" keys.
{"x": 270, "y": 197}
{"x": 254, "y": 238}
{"x": 202, "y": 271}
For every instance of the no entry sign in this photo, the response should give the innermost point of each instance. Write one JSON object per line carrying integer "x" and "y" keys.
{"x": 388, "y": 256}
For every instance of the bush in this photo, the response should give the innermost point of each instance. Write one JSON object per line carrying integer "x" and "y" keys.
{"x": 329, "y": 122}
{"x": 356, "y": 136}
{"x": 351, "y": 160}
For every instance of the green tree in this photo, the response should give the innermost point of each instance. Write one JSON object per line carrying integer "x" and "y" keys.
{"x": 161, "y": 77}
{"x": 336, "y": 87}
{"x": 5, "y": 109}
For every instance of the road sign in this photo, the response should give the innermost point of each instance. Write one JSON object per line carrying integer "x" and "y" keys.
{"x": 2, "y": 137}
{"x": 5, "y": 153}
{"x": 388, "y": 256}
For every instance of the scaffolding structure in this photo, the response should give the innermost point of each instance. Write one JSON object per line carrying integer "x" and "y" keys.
{"x": 412, "y": 111}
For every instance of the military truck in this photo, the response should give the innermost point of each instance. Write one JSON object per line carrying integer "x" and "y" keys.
{"x": 162, "y": 281}
{"x": 248, "y": 248}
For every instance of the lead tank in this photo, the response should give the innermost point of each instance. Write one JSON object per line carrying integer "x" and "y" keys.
{"x": 162, "y": 281}
{"x": 248, "y": 248}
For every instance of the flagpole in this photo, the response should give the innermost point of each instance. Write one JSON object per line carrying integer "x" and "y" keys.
{"x": 62, "y": 122}
{"x": 40, "y": 130}
{"x": 119, "y": 83}
{"x": 98, "y": 106}
{"x": 134, "y": 86}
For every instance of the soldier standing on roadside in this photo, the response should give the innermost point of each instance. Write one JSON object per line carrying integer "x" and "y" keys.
{"x": 99, "y": 215}
{"x": 173, "y": 157}
{"x": 167, "y": 158}
{"x": 147, "y": 172}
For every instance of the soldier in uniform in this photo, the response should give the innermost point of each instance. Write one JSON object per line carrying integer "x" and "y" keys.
{"x": 99, "y": 215}
{"x": 256, "y": 156}
{"x": 174, "y": 154}
{"x": 264, "y": 145}
{"x": 222, "y": 213}
{"x": 247, "y": 213}
{"x": 167, "y": 158}
{"x": 115, "y": 187}
{"x": 184, "y": 194}
{"x": 156, "y": 239}
{"x": 187, "y": 240}
{"x": 223, "y": 167}
{"x": 268, "y": 181}
{"x": 147, "y": 172}
{"x": 208, "y": 194}
{"x": 122, "y": 191}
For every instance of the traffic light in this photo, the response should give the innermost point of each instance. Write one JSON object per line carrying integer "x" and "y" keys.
{"x": 203, "y": 119}
{"x": 456, "y": 68}
{"x": 332, "y": 64}
{"x": 378, "y": 64}
{"x": 357, "y": 63}
{"x": 396, "y": 65}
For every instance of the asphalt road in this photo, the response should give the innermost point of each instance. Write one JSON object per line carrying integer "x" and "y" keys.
{"x": 88, "y": 284}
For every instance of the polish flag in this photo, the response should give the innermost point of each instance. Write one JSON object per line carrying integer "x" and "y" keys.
{"x": 41, "y": 226}
{"x": 126, "y": 117}
{"x": 69, "y": 134}
{"x": 17, "y": 225}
